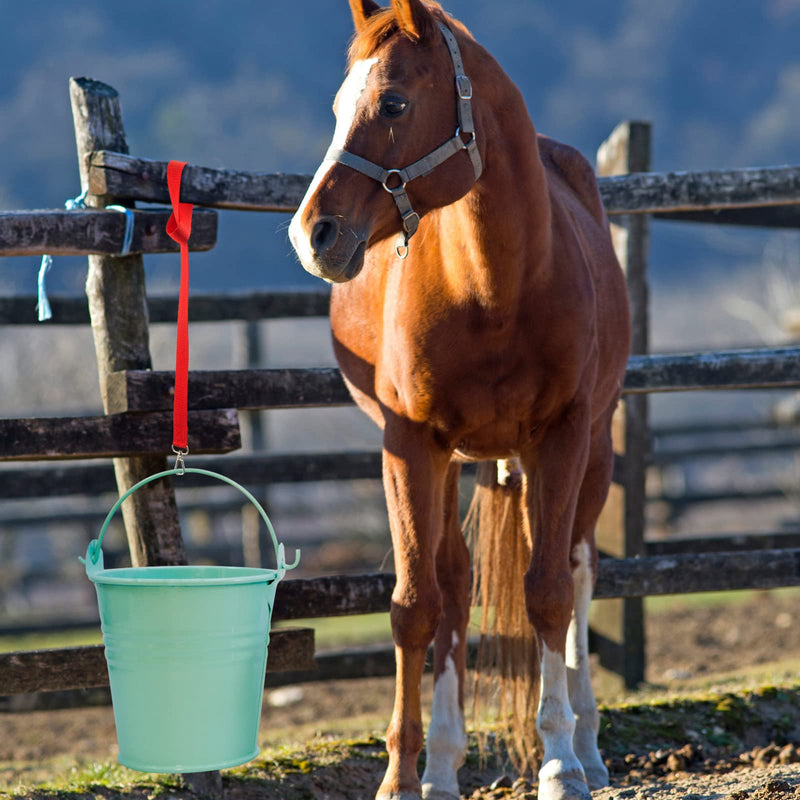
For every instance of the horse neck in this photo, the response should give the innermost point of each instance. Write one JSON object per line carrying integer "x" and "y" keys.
{"x": 504, "y": 222}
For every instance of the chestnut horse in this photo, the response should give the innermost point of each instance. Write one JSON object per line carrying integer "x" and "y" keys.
{"x": 495, "y": 328}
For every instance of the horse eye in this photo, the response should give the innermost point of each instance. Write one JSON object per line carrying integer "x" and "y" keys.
{"x": 392, "y": 106}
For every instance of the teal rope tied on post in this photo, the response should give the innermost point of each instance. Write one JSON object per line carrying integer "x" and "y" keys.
{"x": 43, "y": 304}
{"x": 77, "y": 202}
{"x": 127, "y": 237}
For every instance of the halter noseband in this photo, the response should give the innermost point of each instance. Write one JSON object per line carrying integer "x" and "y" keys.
{"x": 428, "y": 163}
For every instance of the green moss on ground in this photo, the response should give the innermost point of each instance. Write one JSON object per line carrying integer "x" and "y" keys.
{"x": 719, "y": 724}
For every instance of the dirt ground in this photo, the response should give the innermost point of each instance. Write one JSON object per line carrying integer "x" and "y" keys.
{"x": 346, "y": 758}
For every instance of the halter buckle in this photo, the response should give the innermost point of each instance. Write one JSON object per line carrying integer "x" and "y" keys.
{"x": 393, "y": 189}
{"x": 410, "y": 223}
{"x": 464, "y": 87}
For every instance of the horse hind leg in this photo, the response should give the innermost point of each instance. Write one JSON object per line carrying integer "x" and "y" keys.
{"x": 581, "y": 695}
{"x": 552, "y": 498}
{"x": 446, "y": 742}
{"x": 584, "y": 568}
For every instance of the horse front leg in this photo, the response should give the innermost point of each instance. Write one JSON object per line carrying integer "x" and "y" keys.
{"x": 446, "y": 742}
{"x": 557, "y": 467}
{"x": 414, "y": 469}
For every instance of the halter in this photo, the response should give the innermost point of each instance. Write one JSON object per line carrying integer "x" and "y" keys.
{"x": 428, "y": 163}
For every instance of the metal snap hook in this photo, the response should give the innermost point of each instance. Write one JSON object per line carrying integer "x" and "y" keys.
{"x": 180, "y": 466}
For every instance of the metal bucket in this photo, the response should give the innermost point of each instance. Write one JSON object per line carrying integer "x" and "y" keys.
{"x": 187, "y": 651}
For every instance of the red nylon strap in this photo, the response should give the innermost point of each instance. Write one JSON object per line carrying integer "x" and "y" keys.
{"x": 179, "y": 227}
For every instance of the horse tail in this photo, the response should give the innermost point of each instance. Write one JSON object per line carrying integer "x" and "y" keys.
{"x": 508, "y": 664}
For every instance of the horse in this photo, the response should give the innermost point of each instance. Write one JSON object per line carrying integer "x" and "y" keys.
{"x": 478, "y": 313}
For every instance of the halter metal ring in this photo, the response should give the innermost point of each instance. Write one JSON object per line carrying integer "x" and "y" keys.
{"x": 400, "y": 187}
{"x": 464, "y": 145}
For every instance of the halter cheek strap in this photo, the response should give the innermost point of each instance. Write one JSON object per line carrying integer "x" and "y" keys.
{"x": 395, "y": 180}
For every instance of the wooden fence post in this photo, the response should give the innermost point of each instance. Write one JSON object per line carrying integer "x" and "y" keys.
{"x": 115, "y": 289}
{"x": 618, "y": 625}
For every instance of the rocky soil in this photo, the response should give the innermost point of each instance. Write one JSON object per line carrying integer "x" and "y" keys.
{"x": 324, "y": 741}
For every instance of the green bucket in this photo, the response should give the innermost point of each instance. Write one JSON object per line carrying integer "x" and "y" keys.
{"x": 187, "y": 651}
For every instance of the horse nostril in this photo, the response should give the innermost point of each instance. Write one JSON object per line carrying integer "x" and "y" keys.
{"x": 324, "y": 234}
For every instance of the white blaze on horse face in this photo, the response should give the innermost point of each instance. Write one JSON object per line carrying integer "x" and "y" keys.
{"x": 447, "y": 741}
{"x": 347, "y": 106}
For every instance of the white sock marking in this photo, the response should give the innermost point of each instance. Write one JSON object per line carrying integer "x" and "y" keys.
{"x": 579, "y": 680}
{"x": 346, "y": 109}
{"x": 447, "y": 741}
{"x": 555, "y": 720}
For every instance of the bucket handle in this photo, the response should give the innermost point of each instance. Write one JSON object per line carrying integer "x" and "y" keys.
{"x": 94, "y": 552}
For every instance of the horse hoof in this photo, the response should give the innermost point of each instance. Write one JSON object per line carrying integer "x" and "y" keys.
{"x": 596, "y": 777}
{"x": 429, "y": 793}
{"x": 566, "y": 786}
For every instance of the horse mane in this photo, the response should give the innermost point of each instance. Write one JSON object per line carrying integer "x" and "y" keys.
{"x": 383, "y": 24}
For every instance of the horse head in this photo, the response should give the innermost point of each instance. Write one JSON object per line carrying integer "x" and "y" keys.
{"x": 404, "y": 142}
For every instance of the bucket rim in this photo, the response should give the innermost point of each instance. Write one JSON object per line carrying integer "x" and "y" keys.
{"x": 124, "y": 576}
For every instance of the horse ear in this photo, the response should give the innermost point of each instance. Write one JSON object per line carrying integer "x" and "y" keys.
{"x": 362, "y": 11}
{"x": 413, "y": 17}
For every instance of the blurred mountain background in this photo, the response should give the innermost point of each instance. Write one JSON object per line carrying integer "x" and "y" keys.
{"x": 249, "y": 85}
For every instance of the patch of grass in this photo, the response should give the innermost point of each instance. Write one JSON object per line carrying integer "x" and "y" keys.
{"x": 334, "y": 633}
{"x": 671, "y": 602}
{"x": 714, "y": 720}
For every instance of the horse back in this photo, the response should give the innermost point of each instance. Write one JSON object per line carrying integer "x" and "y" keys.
{"x": 568, "y": 164}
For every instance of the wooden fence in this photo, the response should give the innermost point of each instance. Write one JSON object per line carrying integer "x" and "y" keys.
{"x": 136, "y": 428}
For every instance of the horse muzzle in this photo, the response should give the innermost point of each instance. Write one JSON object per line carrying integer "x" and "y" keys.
{"x": 331, "y": 250}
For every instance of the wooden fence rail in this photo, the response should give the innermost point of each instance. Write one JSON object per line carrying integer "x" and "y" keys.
{"x": 270, "y": 388}
{"x": 83, "y": 232}
{"x": 366, "y": 594}
{"x": 253, "y": 306}
{"x": 637, "y": 193}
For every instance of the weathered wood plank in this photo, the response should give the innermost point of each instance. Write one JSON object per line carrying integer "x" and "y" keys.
{"x": 697, "y": 572}
{"x": 60, "y": 481}
{"x": 688, "y": 569}
{"x": 331, "y": 596}
{"x": 732, "y": 369}
{"x": 84, "y": 667}
{"x": 115, "y": 435}
{"x": 142, "y": 179}
{"x": 254, "y": 306}
{"x": 85, "y": 231}
{"x": 654, "y": 192}
{"x": 115, "y": 290}
{"x": 244, "y": 389}
{"x": 145, "y": 390}
{"x": 625, "y": 577}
